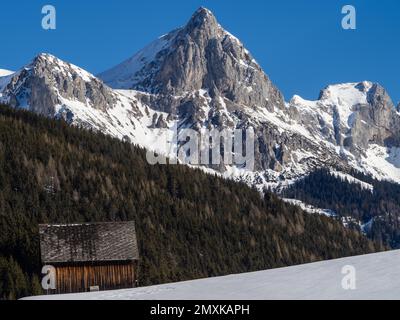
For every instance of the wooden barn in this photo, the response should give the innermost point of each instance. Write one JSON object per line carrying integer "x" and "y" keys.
{"x": 90, "y": 256}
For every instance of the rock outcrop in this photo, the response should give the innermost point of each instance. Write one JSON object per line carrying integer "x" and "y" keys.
{"x": 42, "y": 85}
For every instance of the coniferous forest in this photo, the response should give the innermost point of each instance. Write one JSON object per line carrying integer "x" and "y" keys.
{"x": 379, "y": 209}
{"x": 189, "y": 224}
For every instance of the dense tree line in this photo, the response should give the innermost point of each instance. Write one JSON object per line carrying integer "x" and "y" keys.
{"x": 380, "y": 208}
{"x": 189, "y": 224}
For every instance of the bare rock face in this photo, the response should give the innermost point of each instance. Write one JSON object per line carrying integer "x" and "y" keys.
{"x": 204, "y": 55}
{"x": 199, "y": 56}
{"x": 42, "y": 85}
{"x": 377, "y": 121}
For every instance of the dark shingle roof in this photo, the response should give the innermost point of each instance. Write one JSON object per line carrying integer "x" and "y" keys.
{"x": 109, "y": 241}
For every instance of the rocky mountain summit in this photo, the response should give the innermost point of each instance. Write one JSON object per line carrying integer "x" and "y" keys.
{"x": 200, "y": 56}
{"x": 58, "y": 89}
{"x": 203, "y": 77}
{"x": 44, "y": 83}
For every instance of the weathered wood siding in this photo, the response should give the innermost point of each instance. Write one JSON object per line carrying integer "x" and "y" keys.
{"x": 76, "y": 277}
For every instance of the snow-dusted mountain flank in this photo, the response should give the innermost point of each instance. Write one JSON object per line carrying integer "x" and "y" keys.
{"x": 203, "y": 77}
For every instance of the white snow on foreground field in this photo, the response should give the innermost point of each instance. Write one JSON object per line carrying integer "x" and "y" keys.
{"x": 377, "y": 277}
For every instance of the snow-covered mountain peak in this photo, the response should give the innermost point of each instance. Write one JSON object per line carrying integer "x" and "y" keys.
{"x": 5, "y": 78}
{"x": 4, "y": 72}
{"x": 47, "y": 83}
{"x": 299, "y": 101}
{"x": 201, "y": 56}
{"x": 46, "y": 56}
{"x": 44, "y": 60}
{"x": 346, "y": 94}
{"x": 359, "y": 121}
{"x": 58, "y": 89}
{"x": 203, "y": 11}
{"x": 202, "y": 20}
{"x": 140, "y": 72}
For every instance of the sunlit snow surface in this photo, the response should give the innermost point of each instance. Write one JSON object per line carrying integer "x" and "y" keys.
{"x": 5, "y": 77}
{"x": 377, "y": 277}
{"x": 4, "y": 72}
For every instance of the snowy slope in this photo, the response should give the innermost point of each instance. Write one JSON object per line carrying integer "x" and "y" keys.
{"x": 345, "y": 96}
{"x": 133, "y": 70}
{"x": 5, "y": 77}
{"x": 383, "y": 163}
{"x": 377, "y": 277}
{"x": 309, "y": 208}
{"x": 4, "y": 72}
{"x": 350, "y": 179}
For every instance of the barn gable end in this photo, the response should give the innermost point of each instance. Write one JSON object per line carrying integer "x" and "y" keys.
{"x": 88, "y": 255}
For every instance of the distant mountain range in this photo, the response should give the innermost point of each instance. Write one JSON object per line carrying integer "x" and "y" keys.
{"x": 200, "y": 76}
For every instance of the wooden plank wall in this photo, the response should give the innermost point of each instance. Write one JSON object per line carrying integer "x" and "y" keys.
{"x": 80, "y": 277}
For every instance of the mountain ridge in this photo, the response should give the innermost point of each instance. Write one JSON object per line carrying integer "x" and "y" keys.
{"x": 203, "y": 77}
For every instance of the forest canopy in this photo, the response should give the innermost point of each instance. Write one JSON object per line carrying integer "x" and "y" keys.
{"x": 189, "y": 224}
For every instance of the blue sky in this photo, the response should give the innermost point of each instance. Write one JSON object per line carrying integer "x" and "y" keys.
{"x": 299, "y": 43}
